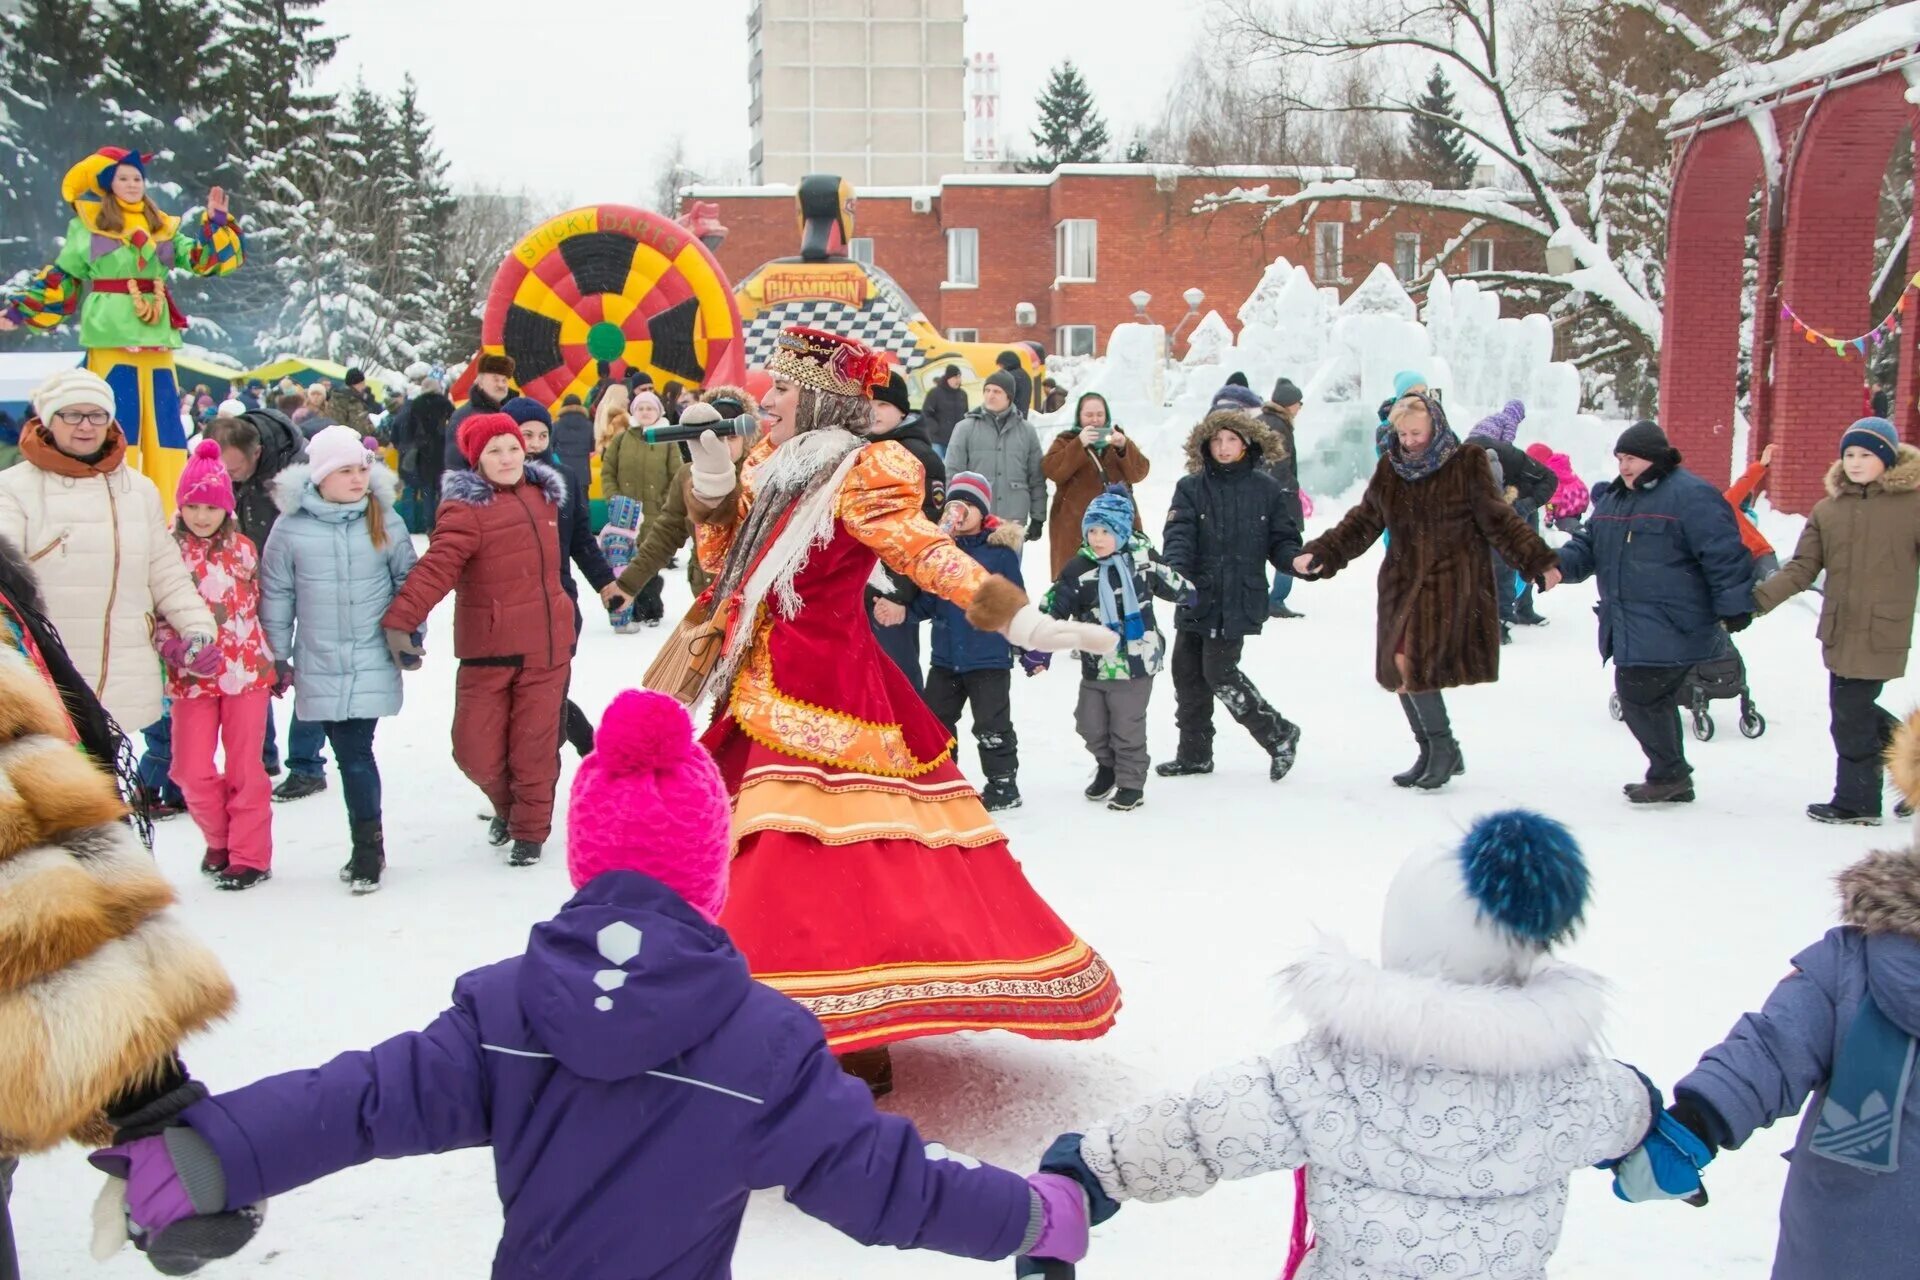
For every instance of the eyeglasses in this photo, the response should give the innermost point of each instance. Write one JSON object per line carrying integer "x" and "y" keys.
{"x": 91, "y": 417}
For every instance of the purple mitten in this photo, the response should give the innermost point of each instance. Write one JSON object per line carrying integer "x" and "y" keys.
{"x": 1034, "y": 661}
{"x": 175, "y": 651}
{"x": 156, "y": 1198}
{"x": 203, "y": 658}
{"x": 1063, "y": 1207}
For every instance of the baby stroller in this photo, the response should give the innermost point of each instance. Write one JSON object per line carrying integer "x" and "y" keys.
{"x": 1720, "y": 677}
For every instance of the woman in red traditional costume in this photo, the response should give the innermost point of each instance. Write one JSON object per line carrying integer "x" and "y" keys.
{"x": 868, "y": 882}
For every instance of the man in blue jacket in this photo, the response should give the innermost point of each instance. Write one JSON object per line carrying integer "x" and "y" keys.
{"x": 1672, "y": 573}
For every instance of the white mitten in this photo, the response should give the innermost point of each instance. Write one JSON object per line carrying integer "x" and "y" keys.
{"x": 1032, "y": 629}
{"x": 712, "y": 467}
{"x": 110, "y": 1219}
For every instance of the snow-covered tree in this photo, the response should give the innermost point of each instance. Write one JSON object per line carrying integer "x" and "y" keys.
{"x": 1567, "y": 99}
{"x": 1071, "y": 130}
{"x": 1440, "y": 153}
{"x": 424, "y": 215}
{"x": 52, "y": 58}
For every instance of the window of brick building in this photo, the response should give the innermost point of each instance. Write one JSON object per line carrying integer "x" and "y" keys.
{"x": 1406, "y": 255}
{"x": 1073, "y": 340}
{"x": 1075, "y": 250}
{"x": 963, "y": 335}
{"x": 1480, "y": 255}
{"x": 1328, "y": 240}
{"x": 963, "y": 256}
{"x": 860, "y": 249}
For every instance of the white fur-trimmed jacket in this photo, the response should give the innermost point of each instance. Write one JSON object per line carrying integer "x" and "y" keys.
{"x": 1414, "y": 1168}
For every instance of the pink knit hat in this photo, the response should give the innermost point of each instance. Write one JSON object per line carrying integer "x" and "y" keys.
{"x": 205, "y": 481}
{"x": 650, "y": 799}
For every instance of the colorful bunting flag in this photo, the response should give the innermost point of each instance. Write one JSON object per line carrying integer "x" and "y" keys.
{"x": 1882, "y": 332}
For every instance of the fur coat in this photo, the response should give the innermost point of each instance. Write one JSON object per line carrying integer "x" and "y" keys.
{"x": 1437, "y": 602}
{"x": 1438, "y": 1123}
{"x": 99, "y": 982}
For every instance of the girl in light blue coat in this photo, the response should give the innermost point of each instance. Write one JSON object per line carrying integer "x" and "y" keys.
{"x": 332, "y": 565}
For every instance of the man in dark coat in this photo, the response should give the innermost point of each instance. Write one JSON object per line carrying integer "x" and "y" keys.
{"x": 1022, "y": 381}
{"x": 1230, "y": 519}
{"x": 255, "y": 448}
{"x": 492, "y": 387}
{"x": 577, "y": 543}
{"x": 419, "y": 435}
{"x": 1674, "y": 580}
{"x": 573, "y": 437}
{"x": 1279, "y": 413}
{"x": 945, "y": 405}
{"x": 898, "y": 635}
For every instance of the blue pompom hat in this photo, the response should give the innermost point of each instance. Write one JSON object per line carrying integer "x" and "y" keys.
{"x": 1877, "y": 436}
{"x": 1112, "y": 510}
{"x": 1486, "y": 910}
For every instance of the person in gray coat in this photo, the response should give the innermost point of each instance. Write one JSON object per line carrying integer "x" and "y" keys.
{"x": 1839, "y": 1031}
{"x": 998, "y": 442}
{"x": 330, "y": 569}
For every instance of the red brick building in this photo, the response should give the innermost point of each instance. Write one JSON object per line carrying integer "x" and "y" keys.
{"x": 1075, "y": 244}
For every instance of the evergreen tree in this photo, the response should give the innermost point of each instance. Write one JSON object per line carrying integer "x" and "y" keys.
{"x": 421, "y": 293}
{"x": 1071, "y": 131}
{"x": 52, "y": 112}
{"x": 1441, "y": 153}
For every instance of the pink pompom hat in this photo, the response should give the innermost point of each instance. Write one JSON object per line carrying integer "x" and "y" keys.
{"x": 204, "y": 482}
{"x": 650, "y": 799}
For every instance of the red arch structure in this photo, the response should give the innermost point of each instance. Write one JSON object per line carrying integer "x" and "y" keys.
{"x": 1813, "y": 135}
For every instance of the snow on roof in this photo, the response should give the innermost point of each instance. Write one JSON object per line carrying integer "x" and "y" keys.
{"x": 1889, "y": 32}
{"x": 1278, "y": 172}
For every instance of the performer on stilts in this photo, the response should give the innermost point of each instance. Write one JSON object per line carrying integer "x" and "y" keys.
{"x": 130, "y": 325}
{"x": 868, "y": 882}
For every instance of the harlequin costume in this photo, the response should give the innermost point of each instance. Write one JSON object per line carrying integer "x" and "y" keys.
{"x": 130, "y": 323}
{"x": 868, "y": 882}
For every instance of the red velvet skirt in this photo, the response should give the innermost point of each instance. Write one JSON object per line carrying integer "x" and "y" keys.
{"x": 891, "y": 907}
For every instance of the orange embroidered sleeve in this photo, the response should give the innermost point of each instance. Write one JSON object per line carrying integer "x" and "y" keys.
{"x": 711, "y": 541}
{"x": 880, "y": 506}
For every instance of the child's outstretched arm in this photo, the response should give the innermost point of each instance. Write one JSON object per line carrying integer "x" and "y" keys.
{"x": 873, "y": 1177}
{"x": 1772, "y": 1060}
{"x": 1236, "y": 1123}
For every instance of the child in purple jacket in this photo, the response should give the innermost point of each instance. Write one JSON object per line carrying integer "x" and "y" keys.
{"x": 1838, "y": 1036}
{"x": 634, "y": 1082}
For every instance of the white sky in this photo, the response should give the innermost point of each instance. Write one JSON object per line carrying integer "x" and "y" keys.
{"x": 579, "y": 98}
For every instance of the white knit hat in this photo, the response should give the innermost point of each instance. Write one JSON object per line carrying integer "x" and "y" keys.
{"x": 334, "y": 449}
{"x": 71, "y": 387}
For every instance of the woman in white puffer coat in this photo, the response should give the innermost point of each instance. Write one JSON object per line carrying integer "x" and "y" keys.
{"x": 1438, "y": 1102}
{"x": 95, "y": 534}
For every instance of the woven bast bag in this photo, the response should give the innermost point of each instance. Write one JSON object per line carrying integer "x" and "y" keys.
{"x": 688, "y": 658}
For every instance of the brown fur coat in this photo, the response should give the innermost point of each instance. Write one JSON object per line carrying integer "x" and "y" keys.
{"x": 1436, "y": 586}
{"x": 98, "y": 982}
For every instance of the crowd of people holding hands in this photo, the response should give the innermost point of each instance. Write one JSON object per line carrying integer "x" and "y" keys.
{"x": 289, "y": 568}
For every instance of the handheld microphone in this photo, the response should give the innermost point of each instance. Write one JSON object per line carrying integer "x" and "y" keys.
{"x": 667, "y": 433}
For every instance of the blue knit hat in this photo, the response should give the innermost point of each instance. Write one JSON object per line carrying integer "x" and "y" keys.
{"x": 1236, "y": 397}
{"x": 1406, "y": 380}
{"x": 525, "y": 409}
{"x": 1112, "y": 511}
{"x": 1876, "y": 435}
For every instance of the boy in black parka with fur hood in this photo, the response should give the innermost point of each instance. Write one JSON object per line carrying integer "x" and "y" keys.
{"x": 1230, "y": 519}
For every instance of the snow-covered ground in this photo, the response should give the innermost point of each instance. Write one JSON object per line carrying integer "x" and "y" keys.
{"x": 1197, "y": 900}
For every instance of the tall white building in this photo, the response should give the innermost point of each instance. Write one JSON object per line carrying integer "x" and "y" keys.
{"x": 873, "y": 90}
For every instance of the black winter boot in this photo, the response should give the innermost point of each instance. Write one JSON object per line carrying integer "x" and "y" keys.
{"x": 1102, "y": 785}
{"x": 497, "y": 834}
{"x": 525, "y": 853}
{"x": 1185, "y": 764}
{"x": 298, "y": 786}
{"x": 1414, "y": 774}
{"x": 1001, "y": 793}
{"x": 369, "y": 858}
{"x": 1284, "y": 751}
{"x": 1444, "y": 760}
{"x": 1127, "y": 799}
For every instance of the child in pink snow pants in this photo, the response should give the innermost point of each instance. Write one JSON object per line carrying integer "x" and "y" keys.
{"x": 220, "y": 691}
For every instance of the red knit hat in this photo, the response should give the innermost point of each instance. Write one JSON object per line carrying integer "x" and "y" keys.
{"x": 477, "y": 432}
{"x": 650, "y": 799}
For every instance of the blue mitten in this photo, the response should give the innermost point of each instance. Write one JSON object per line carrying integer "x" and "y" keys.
{"x": 1665, "y": 1166}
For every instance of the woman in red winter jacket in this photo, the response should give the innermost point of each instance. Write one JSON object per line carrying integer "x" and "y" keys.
{"x": 496, "y": 546}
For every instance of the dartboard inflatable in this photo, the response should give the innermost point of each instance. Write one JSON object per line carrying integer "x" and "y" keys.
{"x": 598, "y": 291}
